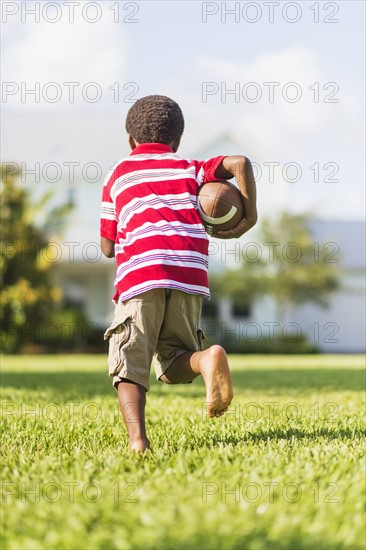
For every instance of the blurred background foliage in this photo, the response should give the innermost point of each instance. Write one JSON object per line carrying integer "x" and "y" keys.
{"x": 289, "y": 275}
{"x": 28, "y": 295}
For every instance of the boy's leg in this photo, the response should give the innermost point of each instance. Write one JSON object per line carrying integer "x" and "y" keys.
{"x": 132, "y": 401}
{"x": 213, "y": 365}
{"x": 132, "y": 340}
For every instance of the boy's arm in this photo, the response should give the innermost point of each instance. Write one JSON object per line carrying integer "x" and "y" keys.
{"x": 240, "y": 167}
{"x": 107, "y": 247}
{"x": 108, "y": 222}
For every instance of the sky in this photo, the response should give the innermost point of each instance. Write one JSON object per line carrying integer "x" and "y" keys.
{"x": 284, "y": 79}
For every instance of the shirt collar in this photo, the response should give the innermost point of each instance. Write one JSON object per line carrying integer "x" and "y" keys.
{"x": 151, "y": 149}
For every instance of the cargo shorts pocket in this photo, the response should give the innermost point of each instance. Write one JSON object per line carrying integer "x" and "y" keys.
{"x": 118, "y": 335}
{"x": 201, "y": 339}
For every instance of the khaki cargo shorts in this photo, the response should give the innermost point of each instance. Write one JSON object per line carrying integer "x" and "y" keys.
{"x": 159, "y": 324}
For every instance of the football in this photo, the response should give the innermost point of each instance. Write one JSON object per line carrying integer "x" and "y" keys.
{"x": 220, "y": 205}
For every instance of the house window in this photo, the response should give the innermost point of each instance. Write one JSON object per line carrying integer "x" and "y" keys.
{"x": 241, "y": 310}
{"x": 210, "y": 309}
{"x": 74, "y": 293}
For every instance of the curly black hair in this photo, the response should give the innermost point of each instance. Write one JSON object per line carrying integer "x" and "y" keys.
{"x": 155, "y": 119}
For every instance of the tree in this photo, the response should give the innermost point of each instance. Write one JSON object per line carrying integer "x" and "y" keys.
{"x": 290, "y": 267}
{"x": 242, "y": 285}
{"x": 27, "y": 293}
{"x": 298, "y": 270}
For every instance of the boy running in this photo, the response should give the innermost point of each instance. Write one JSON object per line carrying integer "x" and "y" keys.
{"x": 151, "y": 225}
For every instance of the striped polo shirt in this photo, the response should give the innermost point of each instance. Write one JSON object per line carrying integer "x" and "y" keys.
{"x": 149, "y": 209}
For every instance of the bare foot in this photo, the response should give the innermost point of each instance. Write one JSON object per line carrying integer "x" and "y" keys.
{"x": 140, "y": 445}
{"x": 215, "y": 372}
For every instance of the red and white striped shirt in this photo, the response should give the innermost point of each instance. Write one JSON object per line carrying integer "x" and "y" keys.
{"x": 149, "y": 209}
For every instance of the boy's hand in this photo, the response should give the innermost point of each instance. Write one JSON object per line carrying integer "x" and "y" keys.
{"x": 107, "y": 247}
{"x": 243, "y": 226}
{"x": 240, "y": 167}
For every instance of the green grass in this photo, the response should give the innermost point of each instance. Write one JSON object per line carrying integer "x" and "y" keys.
{"x": 284, "y": 469}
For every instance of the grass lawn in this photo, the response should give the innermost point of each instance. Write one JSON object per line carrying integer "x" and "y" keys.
{"x": 284, "y": 468}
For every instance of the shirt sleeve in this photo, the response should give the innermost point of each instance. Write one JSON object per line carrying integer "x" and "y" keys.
{"x": 207, "y": 170}
{"x": 108, "y": 222}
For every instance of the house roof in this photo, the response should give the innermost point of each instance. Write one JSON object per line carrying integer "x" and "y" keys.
{"x": 230, "y": 143}
{"x": 349, "y": 236}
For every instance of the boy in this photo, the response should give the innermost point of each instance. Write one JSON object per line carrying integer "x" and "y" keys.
{"x": 151, "y": 225}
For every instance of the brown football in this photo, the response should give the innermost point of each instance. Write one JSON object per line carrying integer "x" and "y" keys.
{"x": 220, "y": 205}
